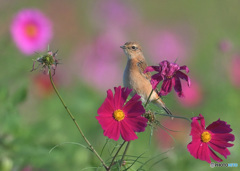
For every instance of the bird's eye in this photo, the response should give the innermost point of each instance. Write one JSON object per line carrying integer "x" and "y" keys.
{"x": 134, "y": 47}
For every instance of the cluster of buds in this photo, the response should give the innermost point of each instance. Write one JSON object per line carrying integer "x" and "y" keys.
{"x": 47, "y": 61}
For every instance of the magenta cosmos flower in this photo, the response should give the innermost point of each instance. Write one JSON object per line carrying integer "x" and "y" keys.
{"x": 119, "y": 118}
{"x": 205, "y": 140}
{"x": 170, "y": 74}
{"x": 31, "y": 31}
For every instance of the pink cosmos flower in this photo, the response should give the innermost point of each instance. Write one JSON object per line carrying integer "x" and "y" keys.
{"x": 205, "y": 140}
{"x": 170, "y": 74}
{"x": 31, "y": 31}
{"x": 119, "y": 118}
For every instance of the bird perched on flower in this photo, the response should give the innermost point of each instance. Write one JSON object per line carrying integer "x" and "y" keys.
{"x": 135, "y": 78}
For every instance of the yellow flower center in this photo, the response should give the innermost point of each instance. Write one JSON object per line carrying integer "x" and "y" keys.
{"x": 118, "y": 115}
{"x": 31, "y": 30}
{"x": 206, "y": 136}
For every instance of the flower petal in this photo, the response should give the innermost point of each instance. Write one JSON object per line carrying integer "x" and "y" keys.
{"x": 184, "y": 77}
{"x": 223, "y": 137}
{"x": 199, "y": 150}
{"x": 113, "y": 131}
{"x": 177, "y": 86}
{"x": 204, "y": 152}
{"x": 152, "y": 68}
{"x": 117, "y": 98}
{"x": 105, "y": 122}
{"x": 223, "y": 151}
{"x": 156, "y": 78}
{"x": 107, "y": 107}
{"x": 214, "y": 156}
{"x": 133, "y": 107}
{"x": 184, "y": 67}
{"x": 219, "y": 127}
{"x": 166, "y": 87}
{"x": 126, "y": 132}
{"x": 137, "y": 124}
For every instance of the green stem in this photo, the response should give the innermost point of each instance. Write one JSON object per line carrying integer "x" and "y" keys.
{"x": 148, "y": 98}
{"x": 124, "y": 153}
{"x": 115, "y": 156}
{"x": 75, "y": 122}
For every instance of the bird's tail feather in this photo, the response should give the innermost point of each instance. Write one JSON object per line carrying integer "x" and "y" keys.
{"x": 160, "y": 103}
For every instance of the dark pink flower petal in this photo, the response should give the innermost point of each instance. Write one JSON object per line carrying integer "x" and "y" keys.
{"x": 219, "y": 127}
{"x": 156, "y": 78}
{"x": 193, "y": 148}
{"x": 223, "y": 144}
{"x": 125, "y": 94}
{"x": 133, "y": 109}
{"x": 184, "y": 77}
{"x": 196, "y": 130}
{"x": 214, "y": 156}
{"x": 204, "y": 153}
{"x": 152, "y": 68}
{"x": 199, "y": 150}
{"x": 118, "y": 98}
{"x": 177, "y": 86}
{"x": 113, "y": 131}
{"x": 223, "y": 137}
{"x": 166, "y": 87}
{"x": 223, "y": 151}
{"x": 107, "y": 107}
{"x": 105, "y": 122}
{"x": 137, "y": 124}
{"x": 184, "y": 68}
{"x": 126, "y": 132}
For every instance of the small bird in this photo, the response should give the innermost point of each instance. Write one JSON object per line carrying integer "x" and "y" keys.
{"x": 135, "y": 78}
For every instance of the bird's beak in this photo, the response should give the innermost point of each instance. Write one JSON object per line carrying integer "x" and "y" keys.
{"x": 123, "y": 47}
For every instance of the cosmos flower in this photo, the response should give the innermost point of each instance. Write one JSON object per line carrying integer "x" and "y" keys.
{"x": 119, "y": 118}
{"x": 31, "y": 31}
{"x": 205, "y": 140}
{"x": 170, "y": 74}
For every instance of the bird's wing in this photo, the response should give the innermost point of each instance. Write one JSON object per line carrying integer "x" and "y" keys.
{"x": 142, "y": 66}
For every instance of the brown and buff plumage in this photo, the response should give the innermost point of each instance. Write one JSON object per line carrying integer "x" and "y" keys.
{"x": 135, "y": 78}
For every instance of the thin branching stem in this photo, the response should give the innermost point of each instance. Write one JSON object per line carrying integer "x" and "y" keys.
{"x": 148, "y": 98}
{"x": 75, "y": 122}
{"x": 124, "y": 153}
{"x": 112, "y": 162}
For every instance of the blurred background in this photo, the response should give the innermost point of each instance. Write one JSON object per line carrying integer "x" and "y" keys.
{"x": 204, "y": 35}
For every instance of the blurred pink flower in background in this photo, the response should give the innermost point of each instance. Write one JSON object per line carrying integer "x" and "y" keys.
{"x": 31, "y": 31}
{"x": 234, "y": 70}
{"x": 167, "y": 45}
{"x": 116, "y": 13}
{"x": 164, "y": 140}
{"x": 225, "y": 45}
{"x": 192, "y": 95}
{"x": 102, "y": 63}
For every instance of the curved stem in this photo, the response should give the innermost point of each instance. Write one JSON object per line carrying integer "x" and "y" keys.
{"x": 75, "y": 122}
{"x": 124, "y": 153}
{"x": 148, "y": 99}
{"x": 115, "y": 156}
